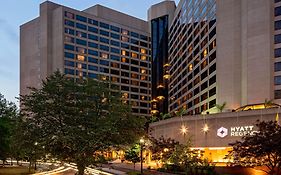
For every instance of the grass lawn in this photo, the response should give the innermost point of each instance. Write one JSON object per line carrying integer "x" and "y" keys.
{"x": 14, "y": 170}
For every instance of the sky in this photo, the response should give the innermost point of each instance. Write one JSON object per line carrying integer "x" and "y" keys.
{"x": 13, "y": 13}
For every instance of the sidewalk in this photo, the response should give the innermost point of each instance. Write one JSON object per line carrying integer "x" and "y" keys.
{"x": 129, "y": 167}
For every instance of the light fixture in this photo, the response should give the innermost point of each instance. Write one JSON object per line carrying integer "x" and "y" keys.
{"x": 183, "y": 129}
{"x": 205, "y": 128}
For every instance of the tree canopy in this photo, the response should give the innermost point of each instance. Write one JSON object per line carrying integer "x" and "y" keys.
{"x": 8, "y": 115}
{"x": 75, "y": 120}
{"x": 261, "y": 148}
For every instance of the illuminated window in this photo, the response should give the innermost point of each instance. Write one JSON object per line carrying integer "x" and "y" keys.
{"x": 142, "y": 97}
{"x": 125, "y": 32}
{"x": 134, "y": 55}
{"x": 104, "y": 55}
{"x": 143, "y": 57}
{"x": 124, "y": 60}
{"x": 80, "y": 57}
{"x": 114, "y": 79}
{"x": 205, "y": 53}
{"x": 125, "y": 95}
{"x": 115, "y": 65}
{"x": 123, "y": 38}
{"x": 143, "y": 77}
{"x": 123, "y": 52}
{"x": 133, "y": 75}
{"x": 80, "y": 74}
{"x": 190, "y": 67}
{"x": 79, "y": 65}
{"x": 143, "y": 71}
{"x": 143, "y": 50}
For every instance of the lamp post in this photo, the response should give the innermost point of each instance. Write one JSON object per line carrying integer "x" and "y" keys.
{"x": 35, "y": 144}
{"x": 141, "y": 157}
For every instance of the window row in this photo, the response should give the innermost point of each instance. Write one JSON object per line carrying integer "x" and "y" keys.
{"x": 101, "y": 25}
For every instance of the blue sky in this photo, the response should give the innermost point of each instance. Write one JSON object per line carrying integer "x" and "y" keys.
{"x": 13, "y": 13}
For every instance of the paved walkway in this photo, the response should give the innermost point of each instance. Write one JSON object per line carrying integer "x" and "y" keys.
{"x": 129, "y": 167}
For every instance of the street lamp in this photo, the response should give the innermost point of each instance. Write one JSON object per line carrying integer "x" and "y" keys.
{"x": 141, "y": 147}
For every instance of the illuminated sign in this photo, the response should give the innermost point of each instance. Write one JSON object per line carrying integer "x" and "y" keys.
{"x": 222, "y": 132}
{"x": 236, "y": 131}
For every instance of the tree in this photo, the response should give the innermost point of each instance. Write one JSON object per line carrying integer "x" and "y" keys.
{"x": 76, "y": 120}
{"x": 133, "y": 154}
{"x": 221, "y": 107}
{"x": 8, "y": 115}
{"x": 261, "y": 148}
{"x": 162, "y": 148}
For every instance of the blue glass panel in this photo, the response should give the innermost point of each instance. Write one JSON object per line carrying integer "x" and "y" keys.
{"x": 81, "y": 18}
{"x": 93, "y": 37}
{"x": 94, "y": 45}
{"x": 92, "y": 52}
{"x": 92, "y": 60}
{"x": 114, "y": 28}
{"x": 92, "y": 29}
{"x": 115, "y": 57}
{"x": 81, "y": 42}
{"x": 69, "y": 47}
{"x": 81, "y": 26}
{"x": 69, "y": 55}
{"x": 104, "y": 25}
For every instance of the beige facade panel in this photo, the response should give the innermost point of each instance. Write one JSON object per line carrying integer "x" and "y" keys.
{"x": 223, "y": 128}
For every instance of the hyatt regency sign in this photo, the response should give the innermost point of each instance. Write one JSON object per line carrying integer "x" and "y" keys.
{"x": 236, "y": 131}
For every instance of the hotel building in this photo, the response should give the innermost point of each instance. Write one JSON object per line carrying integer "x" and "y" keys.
{"x": 96, "y": 42}
{"x": 222, "y": 51}
{"x": 218, "y": 52}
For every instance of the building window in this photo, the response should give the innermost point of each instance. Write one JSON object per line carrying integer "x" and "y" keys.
{"x": 115, "y": 57}
{"x": 277, "y": 66}
{"x": 125, "y": 32}
{"x": 115, "y": 36}
{"x": 277, "y": 94}
{"x": 92, "y": 29}
{"x": 277, "y": 11}
{"x": 104, "y": 55}
{"x": 277, "y": 25}
{"x": 81, "y": 57}
{"x": 104, "y": 33}
{"x": 69, "y": 15}
{"x": 93, "y": 22}
{"x": 104, "y": 25}
{"x": 133, "y": 34}
{"x": 69, "y": 31}
{"x": 125, "y": 39}
{"x": 115, "y": 29}
{"x": 277, "y": 53}
{"x": 68, "y": 47}
{"x": 81, "y": 34}
{"x": 277, "y": 39}
{"x": 81, "y": 42}
{"x": 277, "y": 80}
{"x": 69, "y": 23}
{"x": 81, "y": 26}
{"x": 81, "y": 18}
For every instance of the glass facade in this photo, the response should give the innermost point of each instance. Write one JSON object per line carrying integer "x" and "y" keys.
{"x": 277, "y": 49}
{"x": 160, "y": 66}
{"x": 192, "y": 56}
{"x": 97, "y": 49}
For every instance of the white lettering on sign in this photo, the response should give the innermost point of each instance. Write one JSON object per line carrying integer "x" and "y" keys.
{"x": 236, "y": 131}
{"x": 240, "y": 131}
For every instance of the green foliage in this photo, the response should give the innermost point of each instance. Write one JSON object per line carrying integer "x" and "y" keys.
{"x": 76, "y": 120}
{"x": 133, "y": 154}
{"x": 221, "y": 107}
{"x": 261, "y": 148}
{"x": 162, "y": 148}
{"x": 180, "y": 112}
{"x": 8, "y": 116}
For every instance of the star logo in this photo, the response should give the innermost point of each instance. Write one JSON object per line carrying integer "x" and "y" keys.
{"x": 222, "y": 132}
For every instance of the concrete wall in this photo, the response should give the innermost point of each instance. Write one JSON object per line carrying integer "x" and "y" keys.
{"x": 115, "y": 16}
{"x": 171, "y": 128}
{"x": 244, "y": 52}
{"x": 29, "y": 56}
{"x": 161, "y": 9}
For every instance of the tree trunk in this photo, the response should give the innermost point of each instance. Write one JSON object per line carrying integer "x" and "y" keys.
{"x": 81, "y": 168}
{"x": 134, "y": 166}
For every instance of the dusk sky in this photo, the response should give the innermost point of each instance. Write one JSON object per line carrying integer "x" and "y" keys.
{"x": 13, "y": 13}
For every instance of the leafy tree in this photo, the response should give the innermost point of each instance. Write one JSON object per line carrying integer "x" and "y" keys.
{"x": 162, "y": 148}
{"x": 180, "y": 112}
{"x": 261, "y": 148}
{"x": 221, "y": 107}
{"x": 76, "y": 120}
{"x": 8, "y": 114}
{"x": 133, "y": 154}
